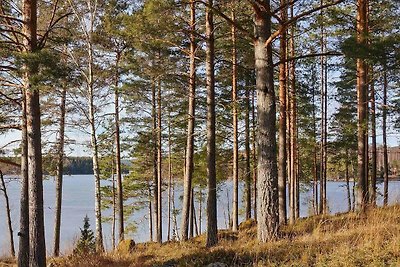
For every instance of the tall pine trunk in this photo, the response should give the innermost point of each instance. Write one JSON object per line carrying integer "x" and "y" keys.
{"x": 294, "y": 197}
{"x": 247, "y": 151}
{"x": 187, "y": 181}
{"x": 373, "y": 137}
{"x": 159, "y": 166}
{"x": 23, "y": 249}
{"x": 211, "y": 233}
{"x": 315, "y": 147}
{"x": 254, "y": 149}
{"x": 361, "y": 107}
{"x": 324, "y": 115}
{"x": 59, "y": 174}
{"x": 37, "y": 247}
{"x": 384, "y": 136}
{"x": 154, "y": 137}
{"x": 282, "y": 160}
{"x": 267, "y": 178}
{"x": 169, "y": 177}
{"x": 118, "y": 153}
{"x": 235, "y": 169}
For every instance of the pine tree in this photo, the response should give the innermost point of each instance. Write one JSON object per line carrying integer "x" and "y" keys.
{"x": 86, "y": 243}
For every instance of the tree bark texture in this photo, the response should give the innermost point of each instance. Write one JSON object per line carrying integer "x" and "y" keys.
{"x": 361, "y": 104}
{"x": 59, "y": 174}
{"x": 247, "y": 151}
{"x": 372, "y": 189}
{"x": 267, "y": 178}
{"x": 37, "y": 247}
{"x": 187, "y": 181}
{"x": 159, "y": 165}
{"x": 235, "y": 169}
{"x": 282, "y": 161}
{"x": 23, "y": 249}
{"x": 211, "y": 234}
{"x": 118, "y": 173}
{"x": 384, "y": 136}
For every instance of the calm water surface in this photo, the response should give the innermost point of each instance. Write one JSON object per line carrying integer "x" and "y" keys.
{"x": 78, "y": 201}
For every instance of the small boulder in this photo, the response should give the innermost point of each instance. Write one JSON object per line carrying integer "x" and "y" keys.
{"x": 126, "y": 246}
{"x": 248, "y": 224}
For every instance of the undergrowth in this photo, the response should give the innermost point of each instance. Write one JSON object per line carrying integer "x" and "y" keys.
{"x": 372, "y": 239}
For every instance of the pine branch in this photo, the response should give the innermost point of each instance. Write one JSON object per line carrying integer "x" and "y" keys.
{"x": 331, "y": 53}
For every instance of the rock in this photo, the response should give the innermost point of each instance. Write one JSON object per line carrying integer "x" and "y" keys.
{"x": 248, "y": 224}
{"x": 126, "y": 246}
{"x": 217, "y": 264}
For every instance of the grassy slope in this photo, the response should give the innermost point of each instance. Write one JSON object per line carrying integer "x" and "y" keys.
{"x": 341, "y": 240}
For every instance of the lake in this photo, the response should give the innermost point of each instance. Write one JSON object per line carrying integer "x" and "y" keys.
{"x": 78, "y": 201}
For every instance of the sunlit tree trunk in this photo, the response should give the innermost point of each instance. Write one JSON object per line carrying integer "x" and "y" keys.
{"x": 293, "y": 131}
{"x": 361, "y": 107}
{"x": 267, "y": 184}
{"x": 187, "y": 182}
{"x": 282, "y": 160}
{"x": 235, "y": 169}
{"x": 254, "y": 149}
{"x": 37, "y": 247}
{"x": 211, "y": 234}
{"x": 95, "y": 153}
{"x": 373, "y": 137}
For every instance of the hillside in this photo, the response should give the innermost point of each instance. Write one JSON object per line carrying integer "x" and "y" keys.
{"x": 341, "y": 240}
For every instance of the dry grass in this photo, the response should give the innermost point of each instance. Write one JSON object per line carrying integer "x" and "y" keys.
{"x": 342, "y": 240}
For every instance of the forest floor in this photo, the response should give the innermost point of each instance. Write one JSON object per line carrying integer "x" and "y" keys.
{"x": 348, "y": 239}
